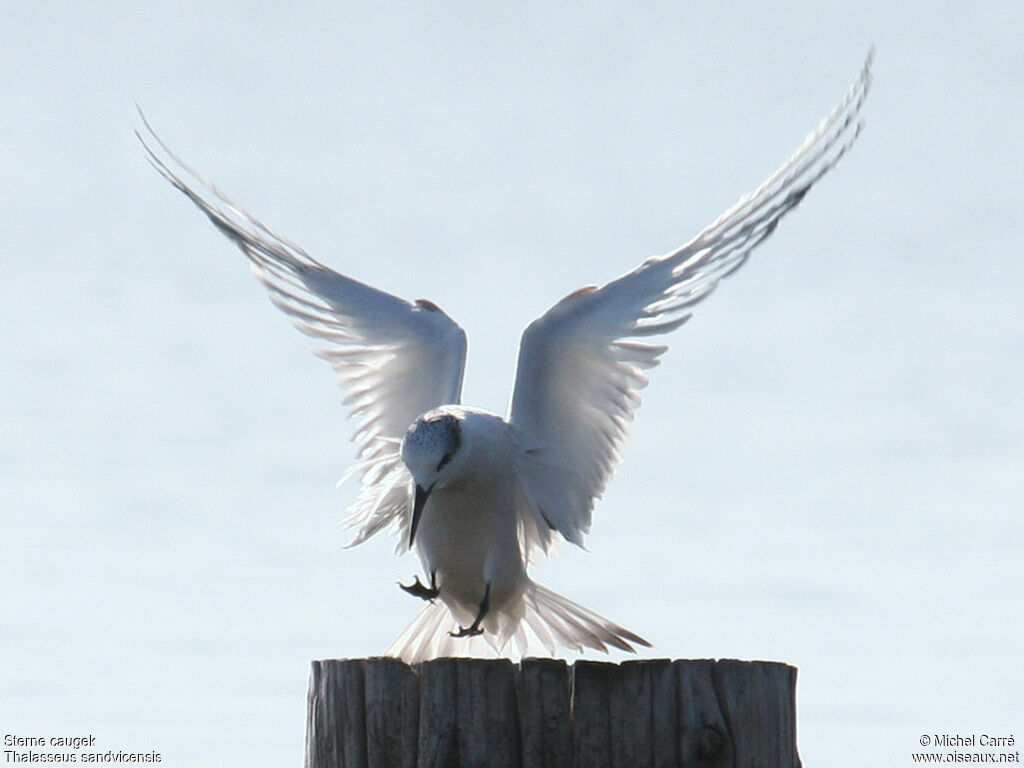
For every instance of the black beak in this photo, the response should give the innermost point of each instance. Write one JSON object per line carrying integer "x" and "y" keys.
{"x": 417, "y": 510}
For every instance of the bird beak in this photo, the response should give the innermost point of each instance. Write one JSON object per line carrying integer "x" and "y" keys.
{"x": 417, "y": 510}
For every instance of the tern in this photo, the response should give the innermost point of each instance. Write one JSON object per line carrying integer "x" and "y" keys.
{"x": 477, "y": 495}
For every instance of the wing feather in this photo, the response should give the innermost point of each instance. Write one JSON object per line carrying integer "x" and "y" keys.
{"x": 581, "y": 365}
{"x": 394, "y": 359}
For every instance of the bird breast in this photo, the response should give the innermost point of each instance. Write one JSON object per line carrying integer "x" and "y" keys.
{"x": 468, "y": 531}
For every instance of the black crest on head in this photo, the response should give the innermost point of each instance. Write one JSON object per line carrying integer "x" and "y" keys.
{"x": 436, "y": 429}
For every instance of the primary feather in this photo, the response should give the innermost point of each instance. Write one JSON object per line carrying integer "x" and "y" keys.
{"x": 395, "y": 359}
{"x": 582, "y": 364}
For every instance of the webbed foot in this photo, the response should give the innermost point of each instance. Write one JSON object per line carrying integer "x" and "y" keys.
{"x": 416, "y": 589}
{"x": 474, "y": 629}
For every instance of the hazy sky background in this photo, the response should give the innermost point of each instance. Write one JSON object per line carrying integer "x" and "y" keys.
{"x": 827, "y": 469}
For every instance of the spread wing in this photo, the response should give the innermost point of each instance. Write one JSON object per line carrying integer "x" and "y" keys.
{"x": 581, "y": 365}
{"x": 394, "y": 359}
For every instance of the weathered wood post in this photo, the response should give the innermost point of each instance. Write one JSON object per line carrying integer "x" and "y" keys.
{"x": 542, "y": 713}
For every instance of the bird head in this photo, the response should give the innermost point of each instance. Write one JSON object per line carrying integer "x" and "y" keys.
{"x": 431, "y": 453}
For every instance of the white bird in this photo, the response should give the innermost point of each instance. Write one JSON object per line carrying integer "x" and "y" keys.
{"x": 475, "y": 494}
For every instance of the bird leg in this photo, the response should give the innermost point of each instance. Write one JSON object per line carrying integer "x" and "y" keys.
{"x": 474, "y": 628}
{"x": 422, "y": 591}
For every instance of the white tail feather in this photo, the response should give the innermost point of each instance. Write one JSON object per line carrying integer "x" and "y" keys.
{"x": 549, "y": 621}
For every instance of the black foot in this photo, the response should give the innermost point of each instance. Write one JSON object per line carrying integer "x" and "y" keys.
{"x": 419, "y": 590}
{"x": 471, "y": 631}
{"x": 474, "y": 629}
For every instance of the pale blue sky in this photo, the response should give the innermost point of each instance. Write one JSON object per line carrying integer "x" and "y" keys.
{"x": 826, "y": 469}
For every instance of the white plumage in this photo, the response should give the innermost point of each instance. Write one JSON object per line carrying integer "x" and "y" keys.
{"x": 476, "y": 494}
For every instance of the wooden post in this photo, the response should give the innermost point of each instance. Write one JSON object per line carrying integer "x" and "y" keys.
{"x": 542, "y": 713}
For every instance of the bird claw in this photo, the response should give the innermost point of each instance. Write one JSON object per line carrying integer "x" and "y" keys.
{"x": 416, "y": 589}
{"x": 472, "y": 631}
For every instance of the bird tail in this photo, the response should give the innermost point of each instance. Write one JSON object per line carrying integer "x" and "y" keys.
{"x": 559, "y": 622}
{"x": 427, "y": 636}
{"x": 541, "y": 619}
